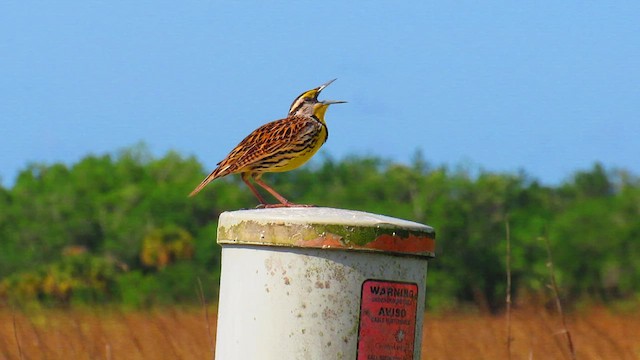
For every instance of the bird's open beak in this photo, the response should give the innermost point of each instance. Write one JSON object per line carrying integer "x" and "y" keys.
{"x": 321, "y": 87}
{"x": 329, "y": 102}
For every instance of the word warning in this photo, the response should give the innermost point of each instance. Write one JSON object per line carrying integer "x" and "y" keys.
{"x": 387, "y": 320}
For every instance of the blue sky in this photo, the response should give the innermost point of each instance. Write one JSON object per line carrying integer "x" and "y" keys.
{"x": 548, "y": 87}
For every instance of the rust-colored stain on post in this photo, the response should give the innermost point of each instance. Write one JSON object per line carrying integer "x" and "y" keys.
{"x": 327, "y": 232}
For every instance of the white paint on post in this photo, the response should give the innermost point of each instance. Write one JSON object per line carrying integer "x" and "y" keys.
{"x": 318, "y": 215}
{"x": 289, "y": 295}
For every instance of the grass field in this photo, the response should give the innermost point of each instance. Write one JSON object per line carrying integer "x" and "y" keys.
{"x": 183, "y": 334}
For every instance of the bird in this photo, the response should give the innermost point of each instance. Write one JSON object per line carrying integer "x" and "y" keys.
{"x": 278, "y": 146}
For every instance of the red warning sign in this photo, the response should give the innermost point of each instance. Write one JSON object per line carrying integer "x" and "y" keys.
{"x": 387, "y": 320}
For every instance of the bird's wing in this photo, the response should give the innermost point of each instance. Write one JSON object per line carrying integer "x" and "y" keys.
{"x": 266, "y": 141}
{"x": 262, "y": 143}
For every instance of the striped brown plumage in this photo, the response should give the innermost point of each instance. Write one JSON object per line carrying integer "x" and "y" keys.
{"x": 277, "y": 146}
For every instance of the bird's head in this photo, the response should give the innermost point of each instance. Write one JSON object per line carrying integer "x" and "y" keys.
{"x": 307, "y": 103}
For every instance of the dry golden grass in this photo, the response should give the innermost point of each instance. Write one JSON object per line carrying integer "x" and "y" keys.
{"x": 182, "y": 334}
{"x": 597, "y": 334}
{"x": 166, "y": 334}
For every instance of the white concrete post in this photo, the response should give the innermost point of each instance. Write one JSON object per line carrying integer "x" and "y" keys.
{"x": 321, "y": 283}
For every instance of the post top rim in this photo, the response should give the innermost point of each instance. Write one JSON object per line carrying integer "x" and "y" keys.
{"x": 326, "y": 228}
{"x": 320, "y": 215}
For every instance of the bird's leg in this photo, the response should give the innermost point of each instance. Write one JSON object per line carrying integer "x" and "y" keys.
{"x": 275, "y": 194}
{"x": 283, "y": 202}
{"x": 245, "y": 177}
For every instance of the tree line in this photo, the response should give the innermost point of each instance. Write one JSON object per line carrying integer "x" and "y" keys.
{"x": 119, "y": 228}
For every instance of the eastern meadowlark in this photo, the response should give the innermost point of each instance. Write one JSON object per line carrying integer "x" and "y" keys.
{"x": 278, "y": 146}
